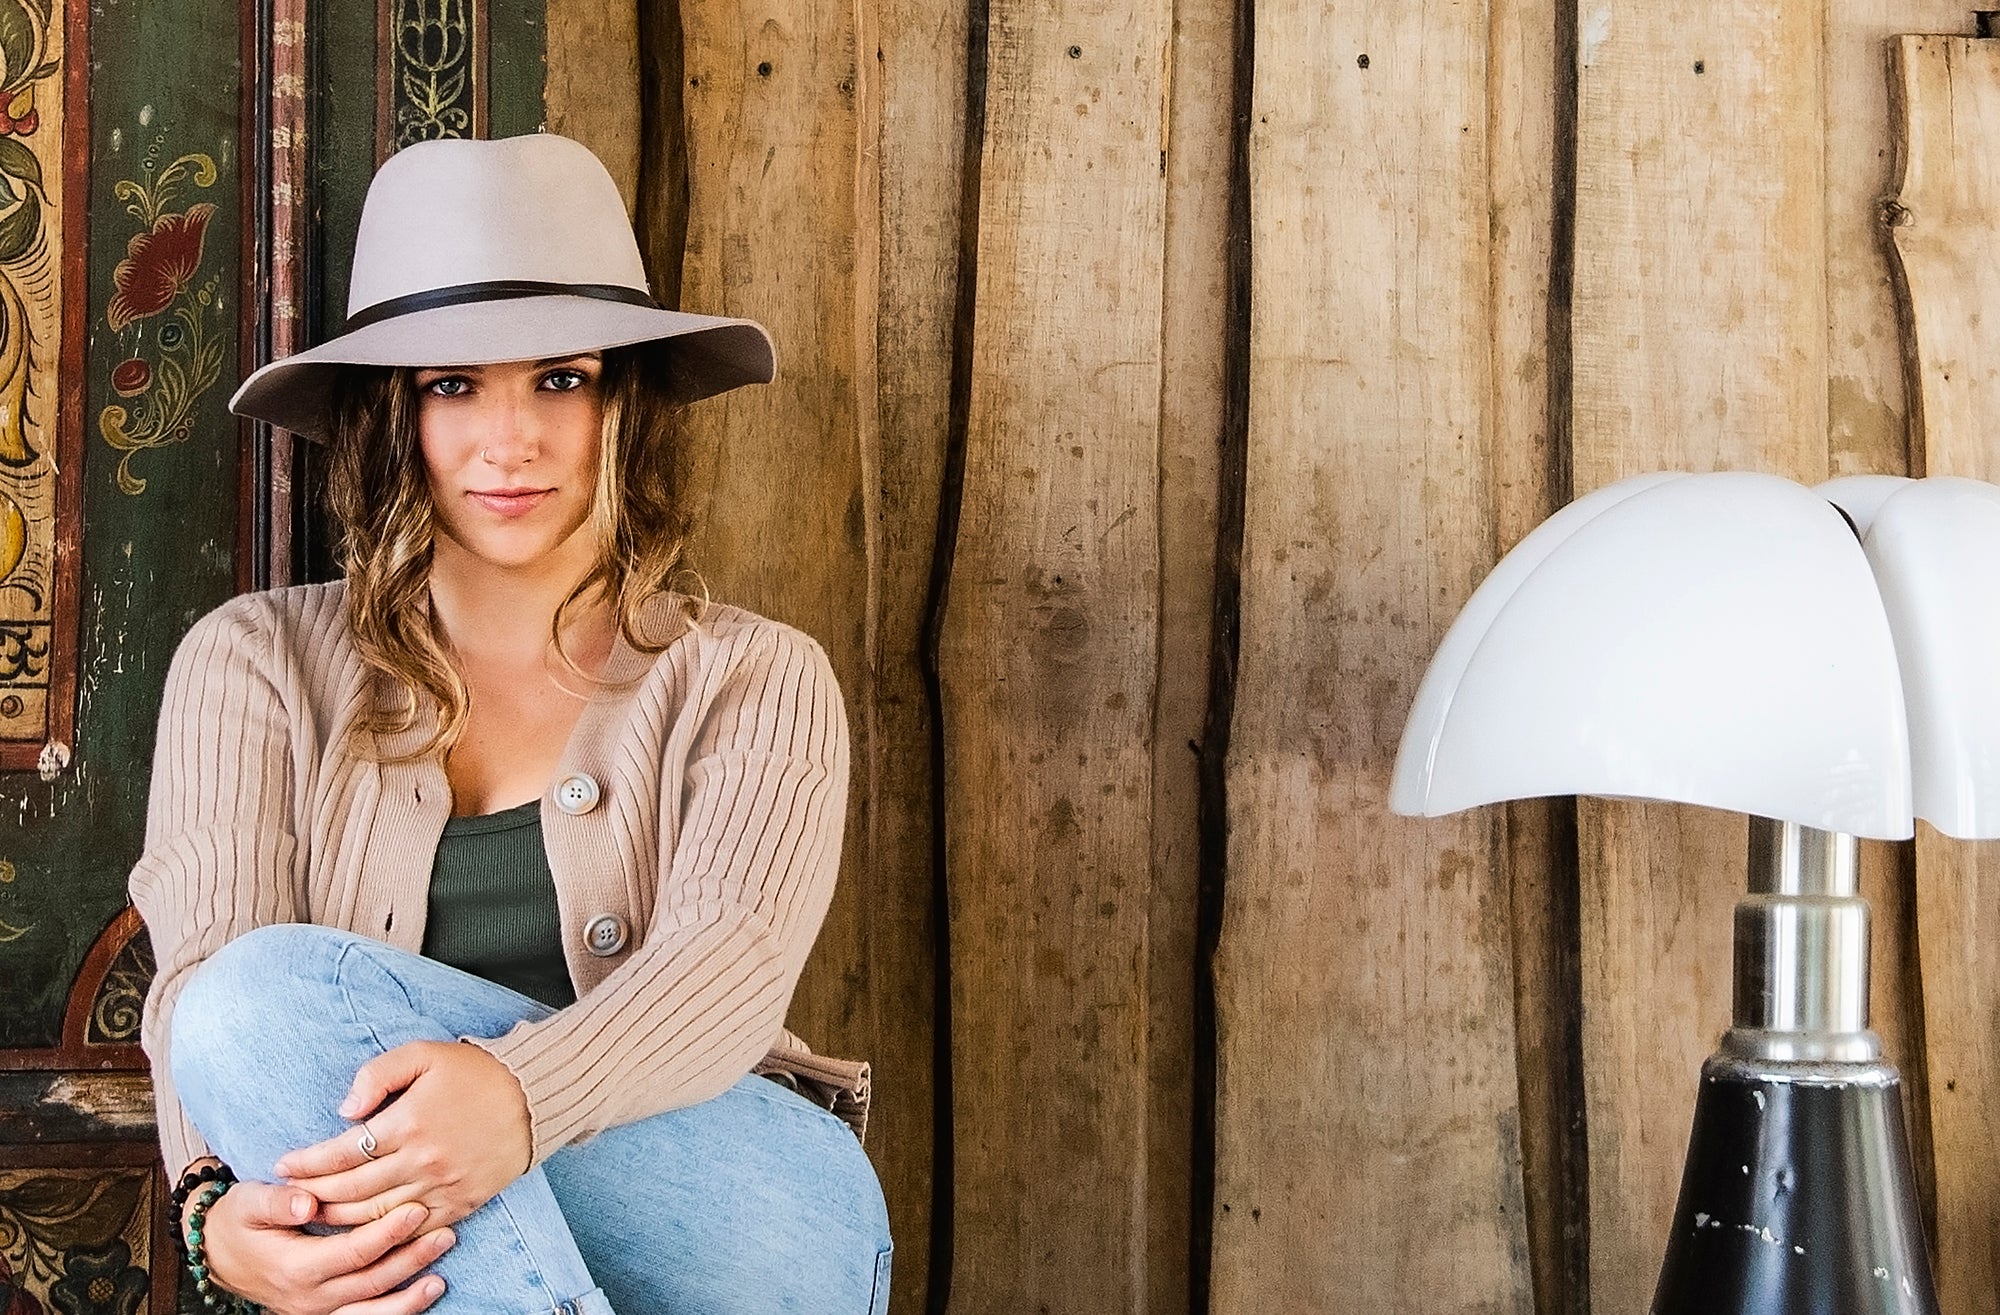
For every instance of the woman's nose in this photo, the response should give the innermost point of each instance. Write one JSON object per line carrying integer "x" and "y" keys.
{"x": 512, "y": 435}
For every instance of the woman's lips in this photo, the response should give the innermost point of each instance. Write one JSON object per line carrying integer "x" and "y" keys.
{"x": 511, "y": 502}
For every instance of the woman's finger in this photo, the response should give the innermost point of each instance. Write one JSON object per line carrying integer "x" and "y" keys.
{"x": 340, "y": 1254}
{"x": 384, "y": 1076}
{"x": 392, "y": 1270}
{"x": 371, "y": 1179}
{"x": 420, "y": 1295}
{"x": 351, "y": 1214}
{"x": 345, "y": 1150}
{"x": 273, "y": 1205}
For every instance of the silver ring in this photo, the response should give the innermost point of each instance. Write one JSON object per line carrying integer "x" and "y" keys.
{"x": 367, "y": 1142}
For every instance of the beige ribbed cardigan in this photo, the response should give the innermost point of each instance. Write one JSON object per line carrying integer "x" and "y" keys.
{"x": 723, "y": 767}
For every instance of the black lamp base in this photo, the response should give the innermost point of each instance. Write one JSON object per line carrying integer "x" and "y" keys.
{"x": 1797, "y": 1197}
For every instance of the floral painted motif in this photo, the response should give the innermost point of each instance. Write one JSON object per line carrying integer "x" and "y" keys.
{"x": 176, "y": 360}
{"x": 132, "y": 377}
{"x": 100, "y": 1281}
{"x": 433, "y": 70}
{"x": 158, "y": 266}
{"x": 67, "y": 1239}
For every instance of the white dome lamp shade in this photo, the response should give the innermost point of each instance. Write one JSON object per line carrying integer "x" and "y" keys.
{"x": 1934, "y": 546}
{"x": 1711, "y": 639}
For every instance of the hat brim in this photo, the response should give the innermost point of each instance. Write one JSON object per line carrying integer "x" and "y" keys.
{"x": 714, "y": 354}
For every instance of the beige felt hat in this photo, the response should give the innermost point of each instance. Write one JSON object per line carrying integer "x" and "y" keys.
{"x": 476, "y": 252}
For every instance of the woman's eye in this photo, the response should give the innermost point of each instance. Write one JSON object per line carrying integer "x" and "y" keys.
{"x": 563, "y": 381}
{"x": 449, "y": 386}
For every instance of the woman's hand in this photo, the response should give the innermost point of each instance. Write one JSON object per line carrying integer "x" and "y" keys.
{"x": 257, "y": 1249}
{"x": 451, "y": 1129}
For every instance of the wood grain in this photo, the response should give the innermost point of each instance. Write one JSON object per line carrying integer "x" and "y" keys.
{"x": 922, "y": 60}
{"x": 1868, "y": 430}
{"x": 1368, "y": 1135}
{"x": 1945, "y": 117}
{"x": 1049, "y": 661}
{"x": 1193, "y": 336}
{"x": 1530, "y": 117}
{"x": 784, "y": 485}
{"x": 1699, "y": 342}
{"x": 592, "y": 92}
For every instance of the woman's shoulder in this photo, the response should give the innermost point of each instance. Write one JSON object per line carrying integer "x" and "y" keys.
{"x": 301, "y": 624}
{"x": 722, "y": 632}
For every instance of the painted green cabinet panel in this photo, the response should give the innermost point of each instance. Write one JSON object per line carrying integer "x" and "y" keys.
{"x": 158, "y": 475}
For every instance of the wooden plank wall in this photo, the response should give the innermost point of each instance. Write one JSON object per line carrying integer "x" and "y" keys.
{"x": 1157, "y": 379}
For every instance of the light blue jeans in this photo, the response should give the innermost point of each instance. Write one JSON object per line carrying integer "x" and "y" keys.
{"x": 757, "y": 1201}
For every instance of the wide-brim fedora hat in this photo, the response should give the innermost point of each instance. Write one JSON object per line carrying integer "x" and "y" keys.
{"x": 478, "y": 252}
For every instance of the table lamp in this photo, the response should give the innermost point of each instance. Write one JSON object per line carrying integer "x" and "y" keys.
{"x": 1824, "y": 661}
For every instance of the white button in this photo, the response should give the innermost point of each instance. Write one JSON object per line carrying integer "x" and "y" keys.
{"x": 604, "y": 935}
{"x": 577, "y": 795}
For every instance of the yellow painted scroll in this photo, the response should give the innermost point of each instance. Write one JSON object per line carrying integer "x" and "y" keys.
{"x": 31, "y": 297}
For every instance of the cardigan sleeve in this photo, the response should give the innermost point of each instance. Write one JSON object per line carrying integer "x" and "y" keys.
{"x": 757, "y": 823}
{"x": 220, "y": 857}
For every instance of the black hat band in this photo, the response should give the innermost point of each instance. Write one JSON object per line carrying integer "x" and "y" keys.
{"x": 494, "y": 290}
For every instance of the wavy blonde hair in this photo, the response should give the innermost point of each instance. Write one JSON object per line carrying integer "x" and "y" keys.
{"x": 379, "y": 498}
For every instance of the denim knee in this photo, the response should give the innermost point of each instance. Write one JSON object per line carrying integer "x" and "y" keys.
{"x": 254, "y": 991}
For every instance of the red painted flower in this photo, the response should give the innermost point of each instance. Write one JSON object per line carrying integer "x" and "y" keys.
{"x": 157, "y": 266}
{"x": 130, "y": 378}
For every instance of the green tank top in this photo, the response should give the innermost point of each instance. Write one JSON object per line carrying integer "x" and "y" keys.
{"x": 493, "y": 905}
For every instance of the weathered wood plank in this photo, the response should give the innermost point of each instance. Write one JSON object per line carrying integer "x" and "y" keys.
{"x": 1193, "y": 335}
{"x": 1945, "y": 119}
{"x": 592, "y": 92}
{"x": 1699, "y": 342}
{"x": 922, "y": 60}
{"x": 1368, "y": 1139}
{"x": 1530, "y": 117}
{"x": 1867, "y": 417}
{"x": 1946, "y": 92}
{"x": 1049, "y": 664}
{"x": 782, "y": 103}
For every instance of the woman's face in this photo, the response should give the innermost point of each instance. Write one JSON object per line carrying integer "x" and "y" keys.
{"x": 511, "y": 452}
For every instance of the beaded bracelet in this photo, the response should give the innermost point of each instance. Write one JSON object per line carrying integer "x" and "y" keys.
{"x": 212, "y": 1296}
{"x": 190, "y": 1182}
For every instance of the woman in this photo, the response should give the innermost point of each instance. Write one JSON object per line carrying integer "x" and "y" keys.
{"x": 500, "y": 787}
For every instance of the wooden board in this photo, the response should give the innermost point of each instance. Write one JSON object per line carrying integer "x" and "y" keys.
{"x": 1049, "y": 660}
{"x": 1868, "y": 430}
{"x": 922, "y": 61}
{"x": 1699, "y": 342}
{"x": 1946, "y": 97}
{"x": 1193, "y": 337}
{"x": 1945, "y": 115}
{"x": 1368, "y": 1138}
{"x": 782, "y": 106}
{"x": 1531, "y": 123}
{"x": 592, "y": 93}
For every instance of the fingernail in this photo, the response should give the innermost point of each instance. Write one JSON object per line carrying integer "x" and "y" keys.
{"x": 301, "y": 1207}
{"x": 445, "y": 1238}
{"x": 349, "y": 1108}
{"x": 434, "y": 1287}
